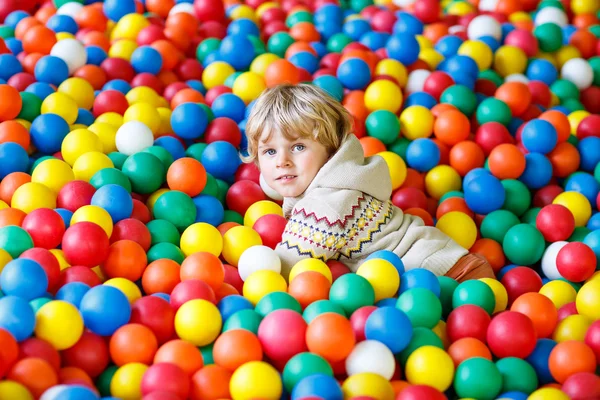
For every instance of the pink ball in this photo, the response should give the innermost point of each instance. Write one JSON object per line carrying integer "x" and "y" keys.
{"x": 576, "y": 261}
{"x": 149, "y": 35}
{"x": 383, "y": 21}
{"x": 358, "y": 320}
{"x": 592, "y": 338}
{"x": 589, "y": 126}
{"x": 75, "y": 195}
{"x": 209, "y": 10}
{"x": 490, "y": 135}
{"x": 555, "y": 222}
{"x": 189, "y": 290}
{"x": 85, "y": 243}
{"x": 270, "y": 228}
{"x": 278, "y": 345}
{"x": 215, "y": 92}
{"x": 511, "y": 334}
{"x": 166, "y": 377}
{"x": 566, "y": 310}
{"x": 524, "y": 40}
{"x": 45, "y": 226}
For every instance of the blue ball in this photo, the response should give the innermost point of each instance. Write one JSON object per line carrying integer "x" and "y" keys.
{"x": 538, "y": 171}
{"x": 95, "y": 55}
{"x": 51, "y": 69}
{"x": 172, "y": 145}
{"x": 118, "y": 85}
{"x": 146, "y": 59}
{"x": 539, "y": 136}
{"x": 209, "y": 209}
{"x": 422, "y": 154}
{"x": 387, "y": 302}
{"x": 585, "y": 184}
{"x": 539, "y": 360}
{"x": 24, "y": 278}
{"x": 331, "y": 85}
{"x": 568, "y": 31}
{"x": 491, "y": 42}
{"x": 318, "y": 385}
{"x": 243, "y": 26}
{"x": 403, "y": 47}
{"x": 513, "y": 396}
{"x": 354, "y": 74}
{"x": 17, "y": 317}
{"x": 356, "y": 28}
{"x": 229, "y": 51}
{"x": 420, "y": 99}
{"x": 448, "y": 45}
{"x": 196, "y": 85}
{"x": 13, "y": 158}
{"x": 15, "y": 46}
{"x": 319, "y": 48}
{"x": 66, "y": 215}
{"x": 589, "y": 151}
{"x": 484, "y": 194}
{"x": 85, "y": 117}
{"x": 40, "y": 89}
{"x": 220, "y": 159}
{"x": 541, "y": 70}
{"x": 504, "y": 270}
{"x": 72, "y": 292}
{"x": 69, "y": 392}
{"x": 592, "y": 239}
{"x": 48, "y": 132}
{"x": 230, "y": 106}
{"x": 15, "y": 17}
{"x": 594, "y": 222}
{"x": 305, "y": 60}
{"x": 420, "y": 278}
{"x": 329, "y": 13}
{"x": 9, "y": 66}
{"x": 389, "y": 326}
{"x": 62, "y": 23}
{"x": 212, "y": 57}
{"x": 375, "y": 40}
{"x": 229, "y": 305}
{"x": 117, "y": 9}
{"x": 407, "y": 24}
{"x": 389, "y": 256}
{"x": 115, "y": 199}
{"x": 163, "y": 296}
{"x": 104, "y": 309}
{"x": 189, "y": 121}
{"x": 459, "y": 65}
{"x": 474, "y": 173}
{"x": 465, "y": 80}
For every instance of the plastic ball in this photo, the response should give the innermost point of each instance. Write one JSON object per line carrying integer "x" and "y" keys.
{"x": 382, "y": 275}
{"x": 72, "y": 52}
{"x": 367, "y": 385}
{"x": 539, "y": 136}
{"x": 511, "y": 334}
{"x": 555, "y": 222}
{"x": 201, "y": 236}
{"x": 104, "y": 309}
{"x": 587, "y": 299}
{"x": 256, "y": 379}
{"x": 133, "y": 137}
{"x": 523, "y": 244}
{"x": 429, "y": 365}
{"x": 190, "y": 329}
{"x": 577, "y": 203}
{"x": 317, "y": 385}
{"x": 17, "y": 317}
{"x": 383, "y": 95}
{"x": 249, "y": 261}
{"x": 465, "y": 236}
{"x": 416, "y": 122}
{"x": 59, "y": 323}
{"x": 262, "y": 282}
{"x": 479, "y": 370}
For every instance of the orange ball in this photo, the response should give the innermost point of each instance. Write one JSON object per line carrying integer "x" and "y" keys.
{"x": 444, "y": 151}
{"x": 508, "y": 7}
{"x": 225, "y": 226}
{"x": 309, "y": 287}
{"x": 11, "y": 216}
{"x": 211, "y": 383}
{"x": 92, "y": 18}
{"x": 93, "y": 74}
{"x": 10, "y": 103}
{"x": 540, "y": 310}
{"x": 585, "y": 42}
{"x": 297, "y": 47}
{"x": 171, "y": 55}
{"x": 305, "y": 32}
{"x": 564, "y": 159}
{"x": 423, "y": 214}
{"x": 453, "y": 204}
{"x": 179, "y": 37}
{"x": 39, "y": 39}
{"x": 133, "y": 343}
{"x": 187, "y": 175}
{"x": 95, "y": 38}
{"x": 45, "y": 12}
{"x": 570, "y": 357}
{"x": 161, "y": 276}
{"x": 330, "y": 335}
{"x": 434, "y": 32}
{"x": 371, "y": 146}
{"x": 35, "y": 374}
{"x": 182, "y": 20}
{"x": 413, "y": 179}
{"x": 584, "y": 21}
{"x": 75, "y": 375}
{"x": 451, "y": 127}
{"x": 281, "y": 71}
{"x": 10, "y": 183}
{"x": 560, "y": 123}
{"x": 516, "y": 95}
{"x": 126, "y": 259}
{"x": 203, "y": 266}
{"x": 466, "y": 348}
{"x": 236, "y": 347}
{"x": 225, "y": 290}
{"x": 466, "y": 156}
{"x": 441, "y": 108}
{"x": 12, "y": 131}
{"x": 160, "y": 7}
{"x": 29, "y": 62}
{"x": 354, "y": 102}
{"x": 25, "y": 26}
{"x": 186, "y": 96}
{"x": 181, "y": 353}
{"x": 491, "y": 250}
{"x": 506, "y": 161}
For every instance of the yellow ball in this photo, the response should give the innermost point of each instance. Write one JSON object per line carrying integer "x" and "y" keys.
{"x": 60, "y": 257}
{"x": 416, "y": 122}
{"x": 129, "y": 26}
{"x": 111, "y": 118}
{"x": 548, "y": 393}
{"x": 588, "y": 299}
{"x": 397, "y": 168}
{"x": 165, "y": 120}
{"x": 393, "y": 68}
{"x": 578, "y": 204}
{"x": 145, "y": 113}
{"x": 78, "y": 142}
{"x": 460, "y": 9}
{"x": 519, "y": 16}
{"x": 559, "y": 292}
{"x": 575, "y": 118}
{"x": 60, "y": 104}
{"x": 430, "y": 365}
{"x": 255, "y": 380}
{"x": 261, "y": 63}
{"x": 585, "y": 7}
{"x": 248, "y": 86}
{"x": 442, "y": 179}
{"x": 573, "y": 327}
{"x": 201, "y": 237}
{"x": 107, "y": 134}
{"x": 95, "y": 214}
{"x": 566, "y": 53}
{"x": 424, "y": 42}
{"x": 260, "y": 10}
{"x": 59, "y": 323}
{"x": 460, "y": 227}
{"x": 368, "y": 384}
{"x": 122, "y": 48}
{"x": 31, "y": 196}
{"x": 64, "y": 35}
{"x": 479, "y": 52}
{"x": 595, "y": 276}
{"x": 243, "y": 11}
{"x": 4, "y": 259}
{"x": 431, "y": 57}
{"x": 89, "y": 163}
{"x": 499, "y": 293}
{"x": 53, "y": 173}
{"x": 142, "y": 94}
{"x": 262, "y": 282}
{"x": 382, "y": 275}
{"x": 3, "y": 205}
{"x": 198, "y": 322}
{"x": 383, "y": 95}
{"x": 237, "y": 240}
{"x": 14, "y": 390}
{"x": 510, "y": 60}
{"x": 311, "y": 264}
{"x": 79, "y": 90}
{"x": 154, "y": 197}
{"x": 126, "y": 383}
{"x": 259, "y": 209}
{"x": 216, "y": 73}
{"x": 129, "y": 289}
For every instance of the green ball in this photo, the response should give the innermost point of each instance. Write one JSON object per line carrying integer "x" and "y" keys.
{"x": 6, "y": 32}
{"x": 103, "y": 381}
{"x": 302, "y": 365}
{"x": 212, "y": 187}
{"x": 452, "y": 193}
{"x": 497, "y": 223}
{"x": 165, "y": 250}
{"x": 422, "y": 307}
{"x": 447, "y": 288}
{"x": 420, "y": 337}
{"x": 279, "y": 42}
{"x": 108, "y": 176}
{"x": 597, "y": 172}
{"x": 493, "y": 110}
{"x": 564, "y": 90}
{"x": 550, "y": 3}
{"x": 338, "y": 42}
{"x": 209, "y": 113}
{"x": 232, "y": 216}
{"x": 595, "y": 64}
{"x": 297, "y": 17}
{"x": 207, "y": 354}
{"x": 163, "y": 155}
{"x": 595, "y": 30}
{"x": 460, "y": 97}
{"x": 573, "y": 105}
{"x": 31, "y": 108}
{"x": 579, "y": 234}
{"x": 118, "y": 159}
{"x": 549, "y": 36}
{"x": 359, "y": 5}
{"x": 176, "y": 207}
{"x": 517, "y": 375}
{"x": 518, "y": 197}
{"x": 573, "y": 140}
{"x": 223, "y": 188}
{"x": 36, "y": 304}
{"x": 145, "y": 171}
{"x": 474, "y": 292}
{"x": 352, "y": 292}
{"x": 206, "y": 47}
{"x": 163, "y": 231}
{"x": 477, "y": 378}
{"x": 243, "y": 319}
{"x": 60, "y": 3}
{"x": 383, "y": 125}
{"x": 15, "y": 240}
{"x": 399, "y": 147}
{"x": 523, "y": 244}
{"x": 258, "y": 45}
{"x": 277, "y": 301}
{"x": 319, "y": 307}
{"x": 195, "y": 151}
{"x": 491, "y": 75}
{"x": 530, "y": 216}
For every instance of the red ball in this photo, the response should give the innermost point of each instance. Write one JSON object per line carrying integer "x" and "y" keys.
{"x": 331, "y": 60}
{"x": 21, "y": 80}
{"x": 511, "y": 334}
{"x": 242, "y": 194}
{"x": 428, "y": 11}
{"x": 590, "y": 98}
{"x": 110, "y": 101}
{"x": 85, "y": 243}
{"x": 215, "y": 92}
{"x": 523, "y": 39}
{"x": 141, "y": 211}
{"x": 546, "y": 195}
{"x": 149, "y": 35}
{"x": 248, "y": 172}
{"x": 383, "y": 21}
{"x": 78, "y": 273}
{"x": 189, "y": 69}
{"x": 75, "y": 195}
{"x": 555, "y": 222}
{"x": 149, "y": 80}
{"x": 273, "y": 14}
{"x": 467, "y": 321}
{"x": 521, "y": 280}
{"x": 48, "y": 262}
{"x": 132, "y": 229}
{"x": 592, "y": 338}
{"x": 566, "y": 310}
{"x": 232, "y": 277}
{"x": 172, "y": 89}
{"x": 166, "y": 377}
{"x": 189, "y": 290}
{"x": 118, "y": 68}
{"x": 223, "y": 129}
{"x": 270, "y": 228}
{"x": 409, "y": 197}
{"x": 156, "y": 314}
{"x": 209, "y": 10}
{"x": 420, "y": 392}
{"x": 271, "y": 28}
{"x": 213, "y": 29}
{"x": 576, "y": 262}
{"x": 337, "y": 269}
{"x": 90, "y": 353}
{"x": 358, "y": 320}
{"x": 589, "y": 126}
{"x": 39, "y": 348}
{"x": 282, "y": 347}
{"x": 490, "y": 135}
{"x": 540, "y": 93}
{"x": 582, "y": 386}
{"x": 45, "y": 226}
{"x": 436, "y": 83}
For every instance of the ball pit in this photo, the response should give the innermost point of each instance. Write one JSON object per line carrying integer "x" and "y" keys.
{"x": 137, "y": 251}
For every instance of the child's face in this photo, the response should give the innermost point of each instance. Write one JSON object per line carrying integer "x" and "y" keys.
{"x": 289, "y": 166}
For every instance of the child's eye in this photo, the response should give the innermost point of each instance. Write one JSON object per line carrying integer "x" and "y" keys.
{"x": 269, "y": 152}
{"x": 299, "y": 147}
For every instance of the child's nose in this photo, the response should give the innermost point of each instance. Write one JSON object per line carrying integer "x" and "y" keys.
{"x": 284, "y": 160}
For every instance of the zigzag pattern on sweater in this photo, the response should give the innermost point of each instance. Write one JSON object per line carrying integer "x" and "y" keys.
{"x": 340, "y": 221}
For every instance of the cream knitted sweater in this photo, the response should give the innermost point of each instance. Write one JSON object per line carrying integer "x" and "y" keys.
{"x": 346, "y": 215}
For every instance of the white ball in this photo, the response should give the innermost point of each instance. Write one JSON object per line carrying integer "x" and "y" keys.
{"x": 71, "y": 9}
{"x": 133, "y": 137}
{"x": 70, "y": 51}
{"x": 484, "y": 25}
{"x": 416, "y": 80}
{"x": 269, "y": 191}
{"x": 549, "y": 260}
{"x": 578, "y": 71}
{"x": 517, "y": 78}
{"x": 551, "y": 15}
{"x": 488, "y": 5}
{"x": 257, "y": 258}
{"x": 371, "y": 356}
{"x": 183, "y": 7}
{"x": 54, "y": 392}
{"x": 403, "y": 3}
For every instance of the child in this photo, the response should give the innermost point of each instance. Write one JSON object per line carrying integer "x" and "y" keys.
{"x": 337, "y": 202}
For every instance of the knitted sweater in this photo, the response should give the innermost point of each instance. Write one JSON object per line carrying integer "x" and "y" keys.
{"x": 346, "y": 214}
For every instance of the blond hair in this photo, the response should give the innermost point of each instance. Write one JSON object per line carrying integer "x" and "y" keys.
{"x": 297, "y": 111}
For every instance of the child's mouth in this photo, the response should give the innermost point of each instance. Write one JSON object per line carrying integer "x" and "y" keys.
{"x": 286, "y": 178}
